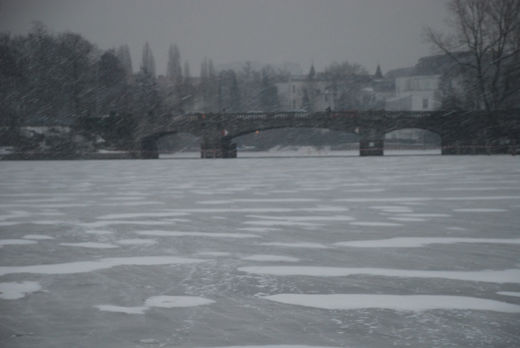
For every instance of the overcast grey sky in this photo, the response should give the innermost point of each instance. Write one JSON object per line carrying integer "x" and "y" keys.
{"x": 368, "y": 32}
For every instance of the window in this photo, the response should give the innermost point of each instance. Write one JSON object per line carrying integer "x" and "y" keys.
{"x": 425, "y": 103}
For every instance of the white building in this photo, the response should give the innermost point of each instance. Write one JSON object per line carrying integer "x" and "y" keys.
{"x": 415, "y": 93}
{"x": 293, "y": 94}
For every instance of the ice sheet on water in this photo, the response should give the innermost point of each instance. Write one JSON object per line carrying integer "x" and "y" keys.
{"x": 33, "y": 222}
{"x": 14, "y": 215}
{"x": 271, "y": 258}
{"x": 260, "y": 200}
{"x": 121, "y": 309}
{"x": 177, "y": 301}
{"x": 99, "y": 232}
{"x": 126, "y": 198}
{"x": 158, "y": 302}
{"x": 479, "y": 198}
{"x": 392, "y": 208}
{"x": 417, "y": 242}
{"x": 270, "y": 223}
{"x": 93, "y": 245}
{"x": 4, "y": 242}
{"x": 478, "y": 188}
{"x": 426, "y": 199}
{"x": 407, "y": 219}
{"x": 509, "y": 293}
{"x": 367, "y": 190}
{"x": 37, "y": 236}
{"x": 107, "y": 223}
{"x": 384, "y": 199}
{"x": 141, "y": 215}
{"x": 258, "y": 229}
{"x": 491, "y": 276}
{"x": 17, "y": 290}
{"x": 273, "y": 346}
{"x": 213, "y": 253}
{"x": 374, "y": 224}
{"x": 264, "y": 210}
{"x": 480, "y": 210}
{"x": 38, "y": 205}
{"x": 423, "y": 215}
{"x": 129, "y": 204}
{"x": 395, "y": 302}
{"x": 90, "y": 266}
{"x": 136, "y": 241}
{"x": 455, "y": 228}
{"x": 303, "y": 245}
{"x": 304, "y": 218}
{"x": 195, "y": 234}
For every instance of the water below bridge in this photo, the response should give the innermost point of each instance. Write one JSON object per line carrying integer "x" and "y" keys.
{"x": 264, "y": 252}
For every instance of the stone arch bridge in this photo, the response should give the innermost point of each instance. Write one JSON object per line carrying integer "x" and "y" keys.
{"x": 461, "y": 132}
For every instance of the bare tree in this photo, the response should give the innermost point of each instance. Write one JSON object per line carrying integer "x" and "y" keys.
{"x": 485, "y": 44}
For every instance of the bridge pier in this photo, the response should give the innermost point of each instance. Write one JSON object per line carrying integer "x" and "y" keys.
{"x": 372, "y": 143}
{"x": 149, "y": 149}
{"x": 217, "y": 147}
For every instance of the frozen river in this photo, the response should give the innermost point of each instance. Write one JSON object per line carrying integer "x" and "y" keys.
{"x": 262, "y": 252}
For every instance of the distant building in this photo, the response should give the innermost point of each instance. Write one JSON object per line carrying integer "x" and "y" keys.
{"x": 415, "y": 93}
{"x": 300, "y": 94}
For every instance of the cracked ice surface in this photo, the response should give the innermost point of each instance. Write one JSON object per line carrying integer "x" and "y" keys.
{"x": 261, "y": 253}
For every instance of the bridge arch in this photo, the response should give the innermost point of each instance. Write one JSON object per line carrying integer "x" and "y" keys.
{"x": 265, "y": 137}
{"x": 150, "y": 146}
{"x": 413, "y": 139}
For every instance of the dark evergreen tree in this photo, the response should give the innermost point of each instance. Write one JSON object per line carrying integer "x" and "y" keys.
{"x": 229, "y": 93}
{"x": 312, "y": 73}
{"x": 379, "y": 74}
{"x": 148, "y": 61}
{"x": 77, "y": 71}
{"x": 174, "y": 70}
{"x": 123, "y": 54}
{"x": 268, "y": 93}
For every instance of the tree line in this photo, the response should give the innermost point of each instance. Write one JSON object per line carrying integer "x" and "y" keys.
{"x": 63, "y": 79}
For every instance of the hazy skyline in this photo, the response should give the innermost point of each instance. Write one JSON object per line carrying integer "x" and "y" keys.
{"x": 388, "y": 32}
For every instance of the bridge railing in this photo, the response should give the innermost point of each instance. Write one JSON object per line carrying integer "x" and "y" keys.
{"x": 371, "y": 114}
